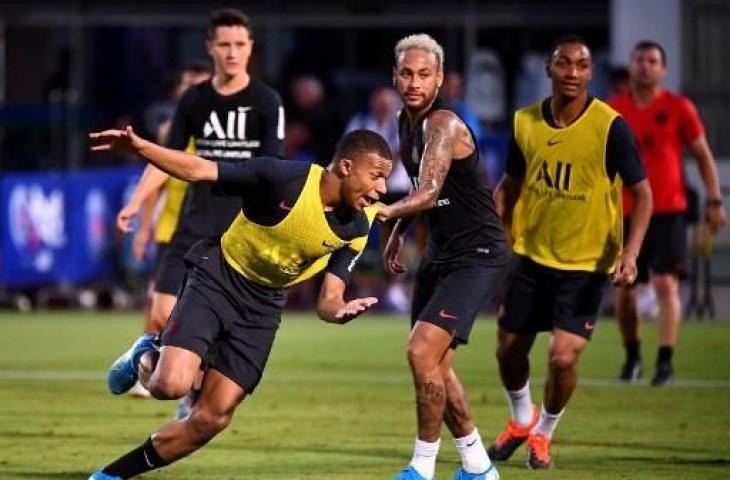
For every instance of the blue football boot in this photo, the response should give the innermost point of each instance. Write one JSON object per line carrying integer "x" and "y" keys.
{"x": 123, "y": 372}
{"x": 490, "y": 474}
{"x": 99, "y": 475}
{"x": 409, "y": 473}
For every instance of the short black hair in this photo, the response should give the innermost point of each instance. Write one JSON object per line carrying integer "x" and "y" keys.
{"x": 359, "y": 142}
{"x": 649, "y": 44}
{"x": 228, "y": 17}
{"x": 197, "y": 66}
{"x": 564, "y": 40}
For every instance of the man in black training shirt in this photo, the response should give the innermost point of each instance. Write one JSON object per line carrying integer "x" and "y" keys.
{"x": 465, "y": 257}
{"x": 232, "y": 118}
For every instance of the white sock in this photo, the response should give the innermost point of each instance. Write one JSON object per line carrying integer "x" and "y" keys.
{"x": 547, "y": 423}
{"x": 424, "y": 458}
{"x": 520, "y": 404}
{"x": 474, "y": 457}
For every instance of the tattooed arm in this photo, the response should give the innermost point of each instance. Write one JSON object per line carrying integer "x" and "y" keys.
{"x": 440, "y": 131}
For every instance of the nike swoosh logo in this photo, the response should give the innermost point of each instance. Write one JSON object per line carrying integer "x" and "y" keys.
{"x": 553, "y": 142}
{"x": 588, "y": 326}
{"x": 147, "y": 460}
{"x": 445, "y": 314}
{"x": 327, "y": 245}
{"x": 284, "y": 206}
{"x": 472, "y": 443}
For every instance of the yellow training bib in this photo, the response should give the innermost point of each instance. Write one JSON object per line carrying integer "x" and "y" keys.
{"x": 170, "y": 213}
{"x": 568, "y": 215}
{"x": 293, "y": 250}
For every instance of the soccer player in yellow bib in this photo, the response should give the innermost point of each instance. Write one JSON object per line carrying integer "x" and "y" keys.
{"x": 561, "y": 200}
{"x": 295, "y": 220}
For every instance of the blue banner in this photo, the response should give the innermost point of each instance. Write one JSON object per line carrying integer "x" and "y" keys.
{"x": 59, "y": 227}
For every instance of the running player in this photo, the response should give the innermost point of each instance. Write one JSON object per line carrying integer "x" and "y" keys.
{"x": 464, "y": 262}
{"x": 294, "y": 220}
{"x": 561, "y": 200}
{"x": 663, "y": 122}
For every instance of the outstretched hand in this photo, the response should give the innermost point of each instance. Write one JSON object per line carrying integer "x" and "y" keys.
{"x": 354, "y": 308}
{"x": 118, "y": 140}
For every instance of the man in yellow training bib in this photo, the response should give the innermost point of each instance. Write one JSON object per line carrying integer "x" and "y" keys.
{"x": 295, "y": 220}
{"x": 561, "y": 200}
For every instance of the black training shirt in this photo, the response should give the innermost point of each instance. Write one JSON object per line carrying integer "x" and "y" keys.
{"x": 223, "y": 128}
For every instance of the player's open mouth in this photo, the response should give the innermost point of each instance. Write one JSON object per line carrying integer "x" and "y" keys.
{"x": 369, "y": 200}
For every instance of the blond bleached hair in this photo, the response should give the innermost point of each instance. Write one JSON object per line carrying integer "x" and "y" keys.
{"x": 420, "y": 41}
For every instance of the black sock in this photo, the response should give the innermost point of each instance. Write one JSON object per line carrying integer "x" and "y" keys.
{"x": 664, "y": 355}
{"x": 142, "y": 459}
{"x": 633, "y": 351}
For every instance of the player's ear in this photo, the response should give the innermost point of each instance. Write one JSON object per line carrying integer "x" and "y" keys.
{"x": 395, "y": 78}
{"x": 344, "y": 167}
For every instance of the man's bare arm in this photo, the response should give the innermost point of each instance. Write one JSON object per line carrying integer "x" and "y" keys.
{"x": 441, "y": 130}
{"x": 505, "y": 197}
{"x": 150, "y": 182}
{"x": 626, "y": 270}
{"x": 715, "y": 212}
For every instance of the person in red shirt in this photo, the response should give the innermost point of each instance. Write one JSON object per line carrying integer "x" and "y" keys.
{"x": 663, "y": 122}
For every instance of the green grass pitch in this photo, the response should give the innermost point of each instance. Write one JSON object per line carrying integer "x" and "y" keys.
{"x": 336, "y": 402}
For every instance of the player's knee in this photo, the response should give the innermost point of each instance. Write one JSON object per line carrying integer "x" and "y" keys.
{"x": 563, "y": 360}
{"x": 420, "y": 355}
{"x": 505, "y": 353}
{"x": 168, "y": 387}
{"x": 665, "y": 285}
{"x": 207, "y": 424}
{"x": 447, "y": 373}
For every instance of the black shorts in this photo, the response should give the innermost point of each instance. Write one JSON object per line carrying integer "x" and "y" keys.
{"x": 665, "y": 246}
{"x": 160, "y": 249}
{"x": 450, "y": 295}
{"x": 541, "y": 299}
{"x": 229, "y": 321}
{"x": 171, "y": 270}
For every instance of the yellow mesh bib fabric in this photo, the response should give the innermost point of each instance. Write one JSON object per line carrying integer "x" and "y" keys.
{"x": 170, "y": 213}
{"x": 568, "y": 215}
{"x": 292, "y": 251}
